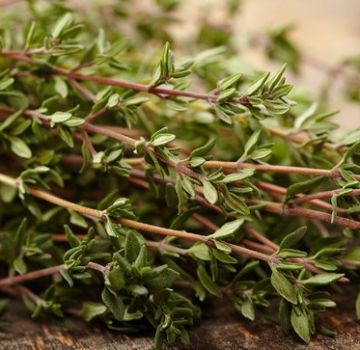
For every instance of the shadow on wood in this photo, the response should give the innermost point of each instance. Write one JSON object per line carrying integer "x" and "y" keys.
{"x": 225, "y": 330}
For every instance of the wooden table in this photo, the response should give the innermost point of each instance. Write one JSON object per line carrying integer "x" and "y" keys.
{"x": 225, "y": 330}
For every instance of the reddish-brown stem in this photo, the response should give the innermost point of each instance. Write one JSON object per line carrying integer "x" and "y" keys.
{"x": 88, "y": 143}
{"x": 261, "y": 238}
{"x": 278, "y": 208}
{"x": 302, "y": 138}
{"x": 160, "y": 246}
{"x": 270, "y": 247}
{"x": 91, "y": 117}
{"x": 193, "y": 237}
{"x": 279, "y": 169}
{"x": 95, "y": 266}
{"x": 181, "y": 167}
{"x": 109, "y": 133}
{"x": 355, "y": 263}
{"x": 159, "y": 91}
{"x": 199, "y": 218}
{"x": 73, "y": 75}
{"x": 205, "y": 222}
{"x": 324, "y": 194}
{"x": 86, "y": 93}
{"x": 100, "y": 215}
{"x": 268, "y": 187}
{"x": 8, "y": 281}
{"x": 260, "y": 247}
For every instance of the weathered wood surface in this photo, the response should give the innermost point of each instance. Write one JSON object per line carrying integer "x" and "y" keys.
{"x": 224, "y": 330}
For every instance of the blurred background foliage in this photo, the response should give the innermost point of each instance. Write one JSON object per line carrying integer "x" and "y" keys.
{"x": 325, "y": 33}
{"x": 314, "y": 38}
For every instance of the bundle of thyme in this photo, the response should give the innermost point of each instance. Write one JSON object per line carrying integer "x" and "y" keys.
{"x": 149, "y": 185}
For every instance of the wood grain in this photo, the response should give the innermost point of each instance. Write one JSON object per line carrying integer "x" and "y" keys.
{"x": 222, "y": 329}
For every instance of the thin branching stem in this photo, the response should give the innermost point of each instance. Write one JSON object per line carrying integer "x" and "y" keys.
{"x": 152, "y": 229}
{"x": 181, "y": 167}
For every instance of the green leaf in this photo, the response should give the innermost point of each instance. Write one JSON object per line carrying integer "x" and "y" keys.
{"x": 163, "y": 139}
{"x": 166, "y": 66}
{"x": 136, "y": 101}
{"x": 209, "y": 192}
{"x": 291, "y": 253}
{"x": 303, "y": 186}
{"x": 91, "y": 310}
{"x": 64, "y": 272}
{"x": 188, "y": 186}
{"x": 226, "y": 95}
{"x": 30, "y": 35}
{"x": 234, "y": 202}
{"x": 283, "y": 286}
{"x": 357, "y": 306}
{"x": 355, "y": 148}
{"x": 63, "y": 23}
{"x": 250, "y": 144}
{"x": 11, "y": 119}
{"x": 114, "y": 303}
{"x": 228, "y": 229}
{"x": 257, "y": 84}
{"x": 141, "y": 259}
{"x": 196, "y": 162}
{"x": 221, "y": 246}
{"x": 7, "y": 193}
{"x": 277, "y": 77}
{"x": 164, "y": 279}
{"x": 19, "y": 265}
{"x": 132, "y": 246}
{"x": 59, "y": 117}
{"x": 323, "y": 302}
{"x": 113, "y": 101}
{"x": 71, "y": 237}
{"x": 207, "y": 282}
{"x": 19, "y": 147}
{"x": 229, "y": 82}
{"x": 60, "y": 86}
{"x": 116, "y": 279}
{"x": 293, "y": 238}
{"x": 66, "y": 136}
{"x": 20, "y": 234}
{"x": 247, "y": 309}
{"x": 77, "y": 219}
{"x": 284, "y": 316}
{"x": 241, "y": 175}
{"x": 322, "y": 279}
{"x": 308, "y": 113}
{"x": 204, "y": 149}
{"x": 224, "y": 257}
{"x": 353, "y": 254}
{"x": 130, "y": 316}
{"x": 4, "y": 84}
{"x": 200, "y": 251}
{"x": 300, "y": 323}
{"x": 111, "y": 228}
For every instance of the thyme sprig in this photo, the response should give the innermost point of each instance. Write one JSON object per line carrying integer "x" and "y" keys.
{"x": 115, "y": 174}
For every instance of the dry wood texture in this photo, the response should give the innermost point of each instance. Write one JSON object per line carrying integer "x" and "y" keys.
{"x": 225, "y": 330}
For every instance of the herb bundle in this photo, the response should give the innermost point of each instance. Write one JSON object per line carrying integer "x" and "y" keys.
{"x": 122, "y": 181}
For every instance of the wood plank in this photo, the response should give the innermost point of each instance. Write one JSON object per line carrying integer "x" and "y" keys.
{"x": 223, "y": 329}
